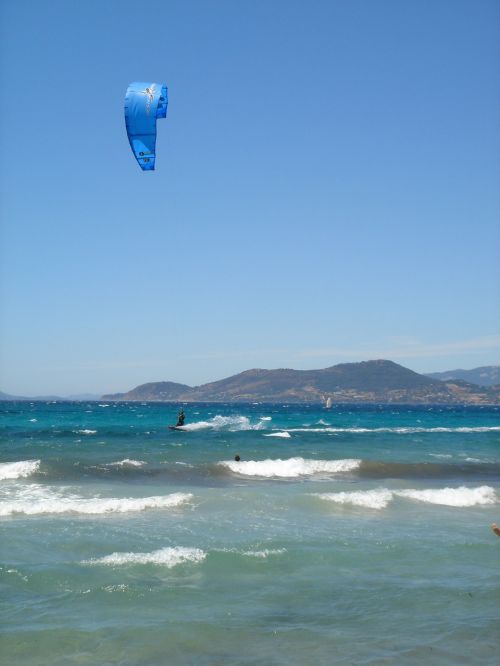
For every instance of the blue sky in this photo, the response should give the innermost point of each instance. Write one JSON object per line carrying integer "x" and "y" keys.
{"x": 326, "y": 189}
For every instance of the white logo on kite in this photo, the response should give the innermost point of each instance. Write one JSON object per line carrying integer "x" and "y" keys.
{"x": 150, "y": 93}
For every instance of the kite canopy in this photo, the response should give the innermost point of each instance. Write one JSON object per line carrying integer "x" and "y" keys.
{"x": 144, "y": 103}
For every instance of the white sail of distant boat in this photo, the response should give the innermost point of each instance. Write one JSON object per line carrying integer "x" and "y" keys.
{"x": 328, "y": 402}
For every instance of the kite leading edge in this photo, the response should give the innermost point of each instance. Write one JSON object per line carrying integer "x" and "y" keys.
{"x": 144, "y": 103}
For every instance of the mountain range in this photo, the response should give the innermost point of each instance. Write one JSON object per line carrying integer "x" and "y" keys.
{"x": 58, "y": 398}
{"x": 487, "y": 375}
{"x": 377, "y": 381}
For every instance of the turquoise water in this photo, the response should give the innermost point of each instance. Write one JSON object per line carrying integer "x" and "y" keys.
{"x": 353, "y": 535}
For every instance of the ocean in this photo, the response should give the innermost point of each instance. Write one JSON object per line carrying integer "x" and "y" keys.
{"x": 350, "y": 535}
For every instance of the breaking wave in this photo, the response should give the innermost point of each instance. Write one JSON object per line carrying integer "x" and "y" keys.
{"x": 284, "y": 435}
{"x": 372, "y": 499}
{"x": 126, "y": 462}
{"x": 18, "y": 470}
{"x": 461, "y": 497}
{"x": 291, "y": 468}
{"x": 39, "y": 500}
{"x": 231, "y": 423}
{"x": 57, "y": 470}
{"x": 168, "y": 557}
{"x": 264, "y": 553}
{"x": 381, "y": 497}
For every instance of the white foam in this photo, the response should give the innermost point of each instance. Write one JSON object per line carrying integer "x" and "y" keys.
{"x": 264, "y": 553}
{"x": 478, "y": 429}
{"x": 126, "y": 462}
{"x": 284, "y": 435}
{"x": 266, "y": 418}
{"x": 49, "y": 501}
{"x": 86, "y": 431}
{"x": 168, "y": 557}
{"x": 293, "y": 467}
{"x": 371, "y": 499}
{"x": 18, "y": 470}
{"x": 218, "y": 422}
{"x": 380, "y": 498}
{"x": 459, "y": 497}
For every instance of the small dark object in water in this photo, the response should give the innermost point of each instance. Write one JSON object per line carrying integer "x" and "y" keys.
{"x": 237, "y": 458}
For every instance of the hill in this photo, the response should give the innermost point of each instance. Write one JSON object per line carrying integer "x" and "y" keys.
{"x": 38, "y": 398}
{"x": 7, "y": 396}
{"x": 377, "y": 381}
{"x": 153, "y": 391}
{"x": 486, "y": 375}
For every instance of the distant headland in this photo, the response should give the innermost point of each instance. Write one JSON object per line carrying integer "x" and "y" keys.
{"x": 377, "y": 381}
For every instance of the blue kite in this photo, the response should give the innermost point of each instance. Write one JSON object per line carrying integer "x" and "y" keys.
{"x": 144, "y": 103}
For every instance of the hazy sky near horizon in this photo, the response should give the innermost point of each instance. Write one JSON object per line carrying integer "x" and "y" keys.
{"x": 326, "y": 189}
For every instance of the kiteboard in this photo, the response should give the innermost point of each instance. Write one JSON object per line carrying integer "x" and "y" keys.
{"x": 178, "y": 428}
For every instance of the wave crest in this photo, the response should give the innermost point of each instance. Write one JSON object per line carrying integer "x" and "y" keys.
{"x": 459, "y": 497}
{"x": 18, "y": 470}
{"x": 168, "y": 557}
{"x": 127, "y": 462}
{"x": 291, "y": 468}
{"x": 371, "y": 499}
{"x": 284, "y": 434}
{"x": 56, "y": 503}
{"x": 380, "y": 498}
{"x": 218, "y": 422}
{"x": 263, "y": 554}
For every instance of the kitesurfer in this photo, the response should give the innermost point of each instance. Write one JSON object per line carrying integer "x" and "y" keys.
{"x": 180, "y": 418}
